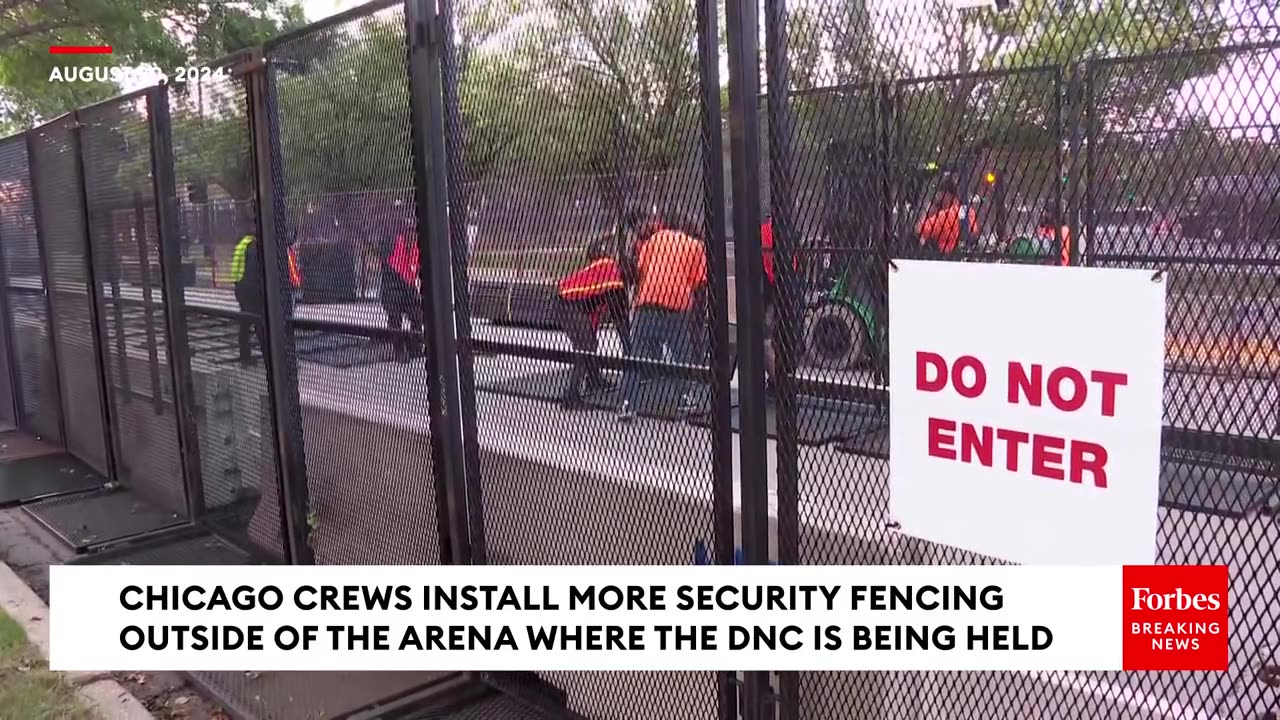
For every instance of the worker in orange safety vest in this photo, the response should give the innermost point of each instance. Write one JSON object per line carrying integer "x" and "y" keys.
{"x": 671, "y": 269}
{"x": 400, "y": 293}
{"x": 586, "y": 296}
{"x": 295, "y": 275}
{"x": 939, "y": 231}
{"x": 1049, "y": 226}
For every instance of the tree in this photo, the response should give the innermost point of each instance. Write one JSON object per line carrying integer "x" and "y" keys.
{"x": 165, "y": 33}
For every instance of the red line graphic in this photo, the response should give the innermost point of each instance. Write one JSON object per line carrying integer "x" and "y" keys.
{"x": 80, "y": 49}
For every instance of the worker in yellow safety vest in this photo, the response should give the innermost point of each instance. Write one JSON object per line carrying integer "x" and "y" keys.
{"x": 246, "y": 274}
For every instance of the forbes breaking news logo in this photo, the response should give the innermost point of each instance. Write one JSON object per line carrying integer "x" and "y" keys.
{"x": 1176, "y": 617}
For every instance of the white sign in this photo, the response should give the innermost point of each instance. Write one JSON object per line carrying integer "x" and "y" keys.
{"x": 1026, "y": 409}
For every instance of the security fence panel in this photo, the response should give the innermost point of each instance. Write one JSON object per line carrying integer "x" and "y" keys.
{"x": 1044, "y": 155}
{"x": 60, "y": 217}
{"x": 124, "y": 232}
{"x": 341, "y": 114}
{"x": 1190, "y": 189}
{"x": 30, "y": 349}
{"x": 335, "y": 144}
{"x": 224, "y": 309}
{"x": 582, "y": 148}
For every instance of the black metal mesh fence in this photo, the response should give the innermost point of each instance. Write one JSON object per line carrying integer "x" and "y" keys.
{"x": 123, "y": 233}
{"x": 59, "y": 205}
{"x": 31, "y": 349}
{"x": 999, "y": 137}
{"x": 362, "y": 379}
{"x": 225, "y": 311}
{"x": 583, "y": 153}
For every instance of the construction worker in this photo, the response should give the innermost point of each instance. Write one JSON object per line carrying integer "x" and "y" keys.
{"x": 671, "y": 266}
{"x": 626, "y": 236}
{"x": 770, "y": 298}
{"x": 587, "y": 294}
{"x": 246, "y": 275}
{"x": 939, "y": 231}
{"x": 400, "y": 291}
{"x": 1047, "y": 232}
{"x": 295, "y": 275}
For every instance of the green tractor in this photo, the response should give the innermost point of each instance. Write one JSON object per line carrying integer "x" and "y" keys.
{"x": 870, "y": 218}
{"x": 846, "y": 322}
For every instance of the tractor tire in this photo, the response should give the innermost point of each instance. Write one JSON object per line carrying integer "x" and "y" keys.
{"x": 835, "y": 337}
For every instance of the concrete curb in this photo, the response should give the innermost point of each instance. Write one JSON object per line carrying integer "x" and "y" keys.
{"x": 106, "y": 698}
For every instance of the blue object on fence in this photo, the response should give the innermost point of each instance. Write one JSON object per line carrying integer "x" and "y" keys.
{"x": 700, "y": 556}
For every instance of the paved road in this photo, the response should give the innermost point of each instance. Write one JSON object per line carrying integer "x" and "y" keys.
{"x": 1213, "y": 336}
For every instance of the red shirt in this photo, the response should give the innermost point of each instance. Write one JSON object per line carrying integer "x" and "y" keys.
{"x": 766, "y": 249}
{"x": 592, "y": 281}
{"x": 591, "y": 284}
{"x": 404, "y": 259}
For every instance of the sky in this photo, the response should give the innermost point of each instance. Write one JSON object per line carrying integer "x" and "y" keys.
{"x": 319, "y": 9}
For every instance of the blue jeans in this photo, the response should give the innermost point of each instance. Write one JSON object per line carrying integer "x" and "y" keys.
{"x": 654, "y": 329}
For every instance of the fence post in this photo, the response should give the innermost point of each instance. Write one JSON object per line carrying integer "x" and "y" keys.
{"x": 742, "y": 31}
{"x": 282, "y": 363}
{"x": 886, "y": 138}
{"x": 713, "y": 200}
{"x": 97, "y": 326}
{"x": 11, "y": 355}
{"x": 46, "y": 269}
{"x": 786, "y": 304}
{"x": 1090, "y": 120}
{"x": 425, "y": 32}
{"x": 1075, "y": 116}
{"x": 458, "y": 219}
{"x": 174, "y": 295}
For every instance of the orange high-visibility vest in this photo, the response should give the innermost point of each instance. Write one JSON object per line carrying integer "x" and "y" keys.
{"x": 1047, "y": 233}
{"x": 295, "y": 276}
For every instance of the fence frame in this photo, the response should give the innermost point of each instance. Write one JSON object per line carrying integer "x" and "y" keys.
{"x": 168, "y": 243}
{"x": 96, "y": 324}
{"x": 48, "y": 290}
{"x": 10, "y": 341}
{"x": 430, "y": 167}
{"x": 742, "y": 35}
{"x": 280, "y": 359}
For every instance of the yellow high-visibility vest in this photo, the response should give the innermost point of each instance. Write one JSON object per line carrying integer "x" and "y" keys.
{"x": 237, "y": 258}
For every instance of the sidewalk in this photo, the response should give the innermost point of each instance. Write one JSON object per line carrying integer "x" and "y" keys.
{"x": 26, "y": 552}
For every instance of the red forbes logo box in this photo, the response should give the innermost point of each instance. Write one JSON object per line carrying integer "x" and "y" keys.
{"x": 1175, "y": 617}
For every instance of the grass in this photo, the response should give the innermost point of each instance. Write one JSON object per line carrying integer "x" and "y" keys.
{"x": 28, "y": 689}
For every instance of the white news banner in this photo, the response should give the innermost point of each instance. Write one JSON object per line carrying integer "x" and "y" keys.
{"x": 502, "y": 618}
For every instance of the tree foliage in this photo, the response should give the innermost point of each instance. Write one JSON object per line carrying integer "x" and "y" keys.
{"x": 556, "y": 87}
{"x": 164, "y": 33}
